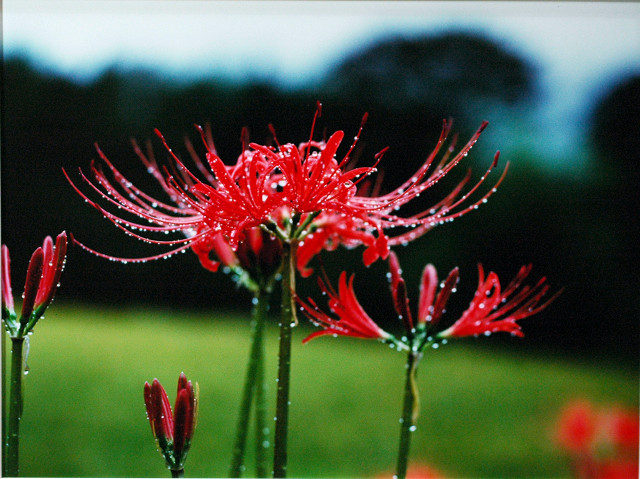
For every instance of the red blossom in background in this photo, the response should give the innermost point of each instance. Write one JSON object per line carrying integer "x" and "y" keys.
{"x": 173, "y": 430}
{"x": 491, "y": 310}
{"x": 43, "y": 276}
{"x": 418, "y": 471}
{"x": 576, "y": 427}
{"x": 273, "y": 187}
{"x": 603, "y": 443}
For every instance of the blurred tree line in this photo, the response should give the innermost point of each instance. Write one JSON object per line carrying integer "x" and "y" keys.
{"x": 581, "y": 234}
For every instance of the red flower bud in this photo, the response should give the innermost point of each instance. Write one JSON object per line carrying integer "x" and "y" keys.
{"x": 34, "y": 273}
{"x": 53, "y": 264}
{"x": 43, "y": 275}
{"x": 7, "y": 295}
{"x": 172, "y": 430}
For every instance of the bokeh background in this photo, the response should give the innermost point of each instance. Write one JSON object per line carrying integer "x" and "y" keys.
{"x": 558, "y": 82}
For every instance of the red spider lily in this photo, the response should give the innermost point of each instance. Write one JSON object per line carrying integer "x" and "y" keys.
{"x": 172, "y": 430}
{"x": 43, "y": 277}
{"x": 490, "y": 311}
{"x": 353, "y": 319}
{"x": 495, "y": 310}
{"x": 259, "y": 255}
{"x": 430, "y": 306}
{"x": 333, "y": 230}
{"x": 279, "y": 188}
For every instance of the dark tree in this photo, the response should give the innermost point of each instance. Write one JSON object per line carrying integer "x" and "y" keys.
{"x": 443, "y": 73}
{"x": 616, "y": 128}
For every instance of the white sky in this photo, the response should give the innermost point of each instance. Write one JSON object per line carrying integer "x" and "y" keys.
{"x": 295, "y": 41}
{"x": 580, "y": 47}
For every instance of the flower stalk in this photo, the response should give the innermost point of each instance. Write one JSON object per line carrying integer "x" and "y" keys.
{"x": 287, "y": 321}
{"x": 253, "y": 386}
{"x": 11, "y": 464}
{"x": 410, "y": 410}
{"x": 262, "y": 429}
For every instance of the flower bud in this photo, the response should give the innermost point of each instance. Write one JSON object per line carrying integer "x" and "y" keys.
{"x": 172, "y": 430}
{"x": 43, "y": 275}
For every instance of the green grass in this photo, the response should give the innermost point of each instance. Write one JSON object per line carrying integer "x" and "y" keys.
{"x": 484, "y": 413}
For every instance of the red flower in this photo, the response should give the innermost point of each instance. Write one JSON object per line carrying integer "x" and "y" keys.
{"x": 494, "y": 310}
{"x": 352, "y": 318}
{"x": 294, "y": 191}
{"x": 258, "y": 255}
{"x": 172, "y": 430}
{"x": 43, "y": 277}
{"x": 490, "y": 311}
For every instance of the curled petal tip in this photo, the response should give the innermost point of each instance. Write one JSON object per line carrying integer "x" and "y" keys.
{"x": 381, "y": 153}
{"x": 495, "y": 159}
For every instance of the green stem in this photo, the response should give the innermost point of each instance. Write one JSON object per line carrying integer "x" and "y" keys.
{"x": 287, "y": 321}
{"x": 253, "y": 379}
{"x": 262, "y": 429}
{"x": 409, "y": 415}
{"x": 3, "y": 385}
{"x": 177, "y": 472}
{"x": 15, "y": 407}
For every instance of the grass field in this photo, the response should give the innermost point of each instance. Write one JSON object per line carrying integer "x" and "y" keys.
{"x": 484, "y": 413}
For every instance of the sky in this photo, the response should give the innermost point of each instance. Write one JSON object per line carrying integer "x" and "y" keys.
{"x": 579, "y": 48}
{"x": 295, "y": 41}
